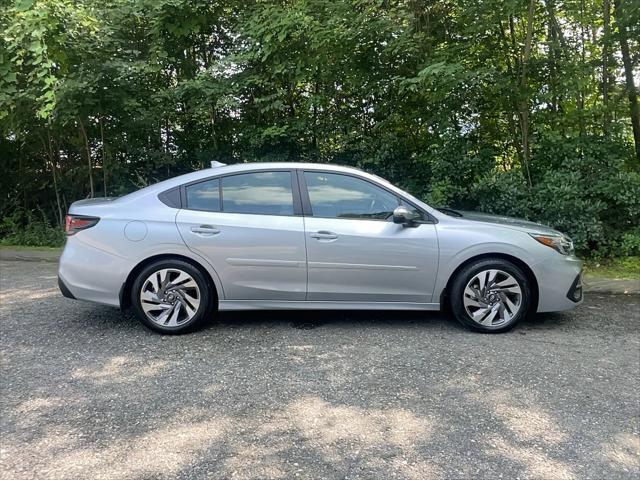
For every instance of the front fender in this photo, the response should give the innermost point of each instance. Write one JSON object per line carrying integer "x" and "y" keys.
{"x": 460, "y": 243}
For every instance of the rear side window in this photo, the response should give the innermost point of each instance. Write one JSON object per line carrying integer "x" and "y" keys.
{"x": 264, "y": 193}
{"x": 204, "y": 196}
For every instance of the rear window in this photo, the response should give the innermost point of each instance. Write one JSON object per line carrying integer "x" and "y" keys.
{"x": 263, "y": 193}
{"x": 204, "y": 196}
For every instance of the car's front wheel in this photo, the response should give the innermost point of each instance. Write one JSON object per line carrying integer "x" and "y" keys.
{"x": 490, "y": 295}
{"x": 171, "y": 297}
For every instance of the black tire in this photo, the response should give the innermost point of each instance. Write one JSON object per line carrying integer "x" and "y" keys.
{"x": 465, "y": 275}
{"x": 203, "y": 312}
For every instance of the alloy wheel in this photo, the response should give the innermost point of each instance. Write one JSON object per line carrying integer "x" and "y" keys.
{"x": 170, "y": 297}
{"x": 492, "y": 298}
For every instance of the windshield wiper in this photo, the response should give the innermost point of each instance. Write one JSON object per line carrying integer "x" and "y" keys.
{"x": 449, "y": 211}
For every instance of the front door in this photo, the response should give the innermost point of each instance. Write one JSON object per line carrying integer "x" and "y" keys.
{"x": 355, "y": 252}
{"x": 247, "y": 227}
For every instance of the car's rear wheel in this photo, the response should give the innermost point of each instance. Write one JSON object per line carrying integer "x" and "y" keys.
{"x": 171, "y": 297}
{"x": 490, "y": 295}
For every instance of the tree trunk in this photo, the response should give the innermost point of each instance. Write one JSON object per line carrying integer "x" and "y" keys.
{"x": 632, "y": 93}
{"x": 52, "y": 159}
{"x": 86, "y": 145}
{"x": 63, "y": 198}
{"x": 104, "y": 157}
{"x": 514, "y": 47}
{"x": 559, "y": 52}
{"x": 21, "y": 179}
{"x": 552, "y": 42}
{"x": 524, "y": 101}
{"x": 581, "y": 90}
{"x": 314, "y": 140}
{"x": 515, "y": 138}
{"x": 606, "y": 119}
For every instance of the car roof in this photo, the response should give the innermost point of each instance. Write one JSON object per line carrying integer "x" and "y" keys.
{"x": 250, "y": 166}
{"x": 239, "y": 168}
{"x": 154, "y": 190}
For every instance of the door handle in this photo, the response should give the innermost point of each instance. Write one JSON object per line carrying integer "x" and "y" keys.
{"x": 324, "y": 235}
{"x": 205, "y": 230}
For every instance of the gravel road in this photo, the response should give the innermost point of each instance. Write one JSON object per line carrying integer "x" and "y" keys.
{"x": 87, "y": 392}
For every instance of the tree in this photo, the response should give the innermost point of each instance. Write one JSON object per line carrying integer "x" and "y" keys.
{"x": 622, "y": 17}
{"x": 525, "y": 108}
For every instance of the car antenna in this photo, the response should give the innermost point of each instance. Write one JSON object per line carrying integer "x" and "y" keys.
{"x": 215, "y": 164}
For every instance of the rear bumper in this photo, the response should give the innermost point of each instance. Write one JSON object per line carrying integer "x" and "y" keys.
{"x": 559, "y": 283}
{"x": 64, "y": 289}
{"x": 89, "y": 273}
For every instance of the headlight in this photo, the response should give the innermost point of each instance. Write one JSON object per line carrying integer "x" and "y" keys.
{"x": 560, "y": 243}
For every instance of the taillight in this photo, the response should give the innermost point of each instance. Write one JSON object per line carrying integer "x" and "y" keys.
{"x": 75, "y": 223}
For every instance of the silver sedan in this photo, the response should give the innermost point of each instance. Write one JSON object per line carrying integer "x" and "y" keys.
{"x": 308, "y": 236}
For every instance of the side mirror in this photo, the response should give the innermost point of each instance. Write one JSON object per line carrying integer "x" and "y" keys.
{"x": 404, "y": 216}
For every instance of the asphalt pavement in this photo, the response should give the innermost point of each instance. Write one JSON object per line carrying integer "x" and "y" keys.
{"x": 88, "y": 392}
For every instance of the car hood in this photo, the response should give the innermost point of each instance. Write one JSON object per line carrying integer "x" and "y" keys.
{"x": 508, "y": 221}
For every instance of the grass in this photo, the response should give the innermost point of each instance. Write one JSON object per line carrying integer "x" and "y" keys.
{"x": 27, "y": 247}
{"x": 626, "y": 268}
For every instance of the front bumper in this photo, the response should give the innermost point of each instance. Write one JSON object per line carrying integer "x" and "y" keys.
{"x": 559, "y": 283}
{"x": 575, "y": 292}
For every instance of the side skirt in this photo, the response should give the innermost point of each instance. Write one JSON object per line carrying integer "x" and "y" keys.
{"x": 318, "y": 305}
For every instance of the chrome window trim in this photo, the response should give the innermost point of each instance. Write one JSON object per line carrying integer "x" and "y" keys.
{"x": 295, "y": 191}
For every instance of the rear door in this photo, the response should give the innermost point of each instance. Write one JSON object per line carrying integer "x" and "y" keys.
{"x": 250, "y": 228}
{"x": 355, "y": 252}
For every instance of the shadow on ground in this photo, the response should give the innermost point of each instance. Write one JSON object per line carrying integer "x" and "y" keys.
{"x": 89, "y": 392}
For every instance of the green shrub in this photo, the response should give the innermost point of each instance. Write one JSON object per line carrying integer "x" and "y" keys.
{"x": 628, "y": 244}
{"x": 581, "y": 187}
{"x": 35, "y": 230}
{"x": 504, "y": 193}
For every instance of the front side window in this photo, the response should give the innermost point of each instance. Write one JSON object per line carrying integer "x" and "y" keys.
{"x": 204, "y": 196}
{"x": 342, "y": 196}
{"x": 265, "y": 193}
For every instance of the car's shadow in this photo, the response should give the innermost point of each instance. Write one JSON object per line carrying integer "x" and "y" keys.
{"x": 310, "y": 319}
{"x": 345, "y": 319}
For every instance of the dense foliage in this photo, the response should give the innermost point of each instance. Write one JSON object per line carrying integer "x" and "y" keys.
{"x": 521, "y": 107}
